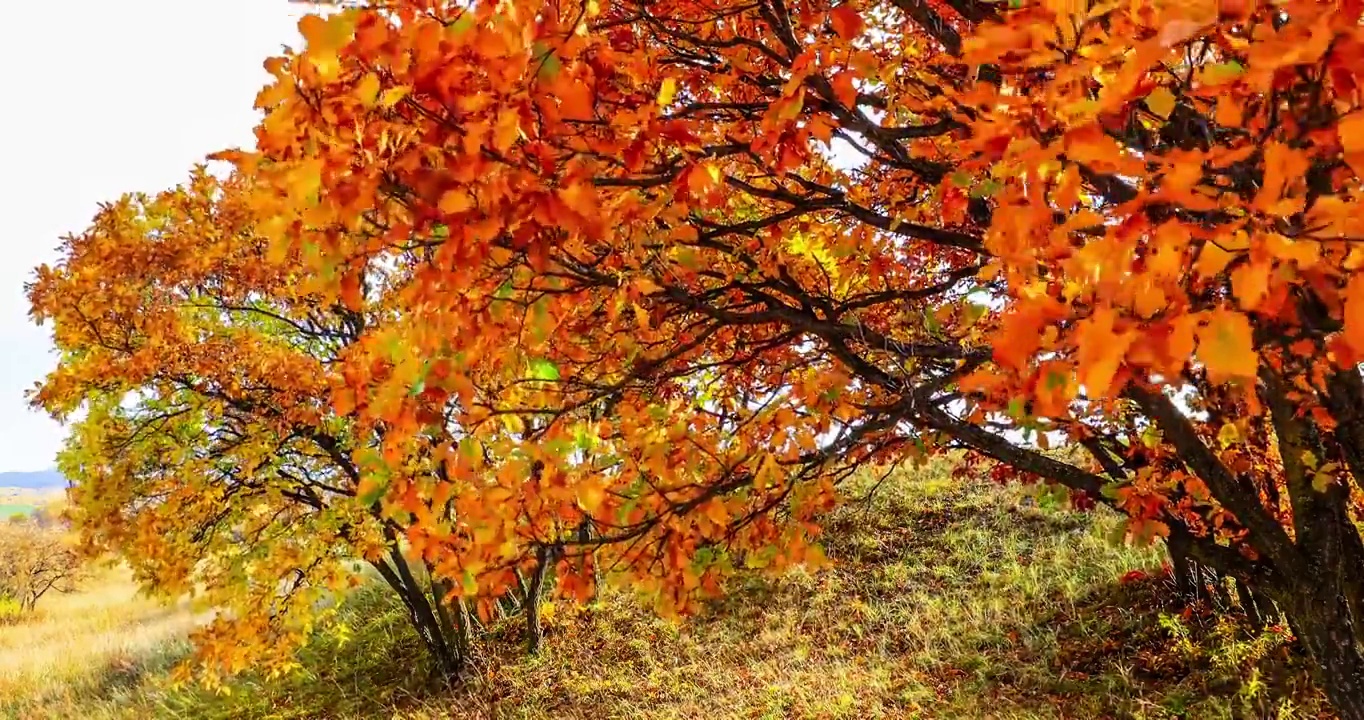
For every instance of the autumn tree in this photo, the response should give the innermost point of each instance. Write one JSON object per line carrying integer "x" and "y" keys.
{"x": 208, "y": 456}
{"x": 667, "y": 271}
{"x": 35, "y": 561}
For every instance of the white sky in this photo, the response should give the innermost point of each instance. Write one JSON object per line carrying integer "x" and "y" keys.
{"x": 102, "y": 98}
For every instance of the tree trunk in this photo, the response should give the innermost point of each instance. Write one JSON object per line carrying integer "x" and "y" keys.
{"x": 447, "y": 662}
{"x": 535, "y": 634}
{"x": 1183, "y": 568}
{"x": 1325, "y": 631}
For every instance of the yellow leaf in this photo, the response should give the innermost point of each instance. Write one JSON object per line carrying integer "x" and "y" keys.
{"x": 1149, "y": 299}
{"x": 367, "y": 90}
{"x": 1226, "y": 346}
{"x": 392, "y": 96}
{"x": 666, "y": 92}
{"x": 1212, "y": 259}
{"x": 717, "y": 513}
{"x": 1161, "y": 101}
{"x": 591, "y": 494}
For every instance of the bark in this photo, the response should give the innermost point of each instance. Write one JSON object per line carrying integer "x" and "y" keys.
{"x": 535, "y": 634}
{"x": 445, "y": 660}
{"x": 1325, "y": 629}
{"x": 1182, "y": 567}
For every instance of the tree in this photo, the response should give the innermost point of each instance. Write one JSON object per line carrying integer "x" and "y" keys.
{"x": 671, "y": 270}
{"x": 35, "y": 561}
{"x": 208, "y": 458}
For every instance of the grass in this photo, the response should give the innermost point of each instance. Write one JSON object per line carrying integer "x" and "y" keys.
{"x": 96, "y": 643}
{"x": 9, "y": 509}
{"x": 948, "y": 600}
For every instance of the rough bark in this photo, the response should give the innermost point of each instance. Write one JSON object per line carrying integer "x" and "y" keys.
{"x": 1324, "y": 627}
{"x": 535, "y": 634}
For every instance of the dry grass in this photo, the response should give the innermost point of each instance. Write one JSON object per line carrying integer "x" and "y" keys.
{"x": 948, "y": 600}
{"x": 94, "y": 642}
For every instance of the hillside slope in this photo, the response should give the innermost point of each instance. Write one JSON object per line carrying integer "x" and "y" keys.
{"x": 947, "y": 601}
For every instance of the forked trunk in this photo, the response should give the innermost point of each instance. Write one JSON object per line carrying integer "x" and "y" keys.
{"x": 446, "y": 656}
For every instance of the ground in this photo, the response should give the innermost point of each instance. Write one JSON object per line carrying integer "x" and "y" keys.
{"x": 947, "y": 600}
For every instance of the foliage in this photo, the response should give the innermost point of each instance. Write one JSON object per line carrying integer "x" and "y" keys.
{"x": 656, "y": 278}
{"x": 208, "y": 456}
{"x": 34, "y": 561}
{"x": 10, "y": 611}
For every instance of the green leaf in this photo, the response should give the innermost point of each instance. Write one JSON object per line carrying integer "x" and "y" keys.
{"x": 1015, "y": 409}
{"x": 549, "y": 62}
{"x": 931, "y": 323}
{"x": 542, "y": 369}
{"x": 986, "y": 189}
{"x": 462, "y": 24}
{"x": 1223, "y": 72}
{"x": 470, "y": 583}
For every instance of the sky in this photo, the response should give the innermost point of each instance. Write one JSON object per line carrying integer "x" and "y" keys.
{"x": 103, "y": 98}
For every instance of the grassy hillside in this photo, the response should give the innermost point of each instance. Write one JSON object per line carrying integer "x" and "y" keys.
{"x": 947, "y": 601}
{"x": 93, "y": 644}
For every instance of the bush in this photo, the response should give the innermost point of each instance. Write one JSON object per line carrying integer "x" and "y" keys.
{"x": 11, "y": 610}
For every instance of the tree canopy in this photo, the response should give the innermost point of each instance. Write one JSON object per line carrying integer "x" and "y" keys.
{"x": 656, "y": 276}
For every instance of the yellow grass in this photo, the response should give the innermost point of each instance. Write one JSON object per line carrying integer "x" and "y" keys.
{"x": 103, "y": 636}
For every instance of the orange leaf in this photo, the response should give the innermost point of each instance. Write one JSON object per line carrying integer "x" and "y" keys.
{"x": 1226, "y": 346}
{"x": 455, "y": 200}
{"x": 1351, "y": 130}
{"x": 847, "y": 22}
{"x": 1250, "y": 283}
{"x": 1354, "y": 314}
{"x": 844, "y": 91}
{"x": 507, "y": 129}
{"x": 576, "y": 101}
{"x": 1101, "y": 352}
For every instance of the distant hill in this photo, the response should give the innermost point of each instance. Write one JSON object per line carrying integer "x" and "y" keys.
{"x": 35, "y": 480}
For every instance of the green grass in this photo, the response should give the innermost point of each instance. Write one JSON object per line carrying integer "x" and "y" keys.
{"x": 947, "y": 600}
{"x": 7, "y": 510}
